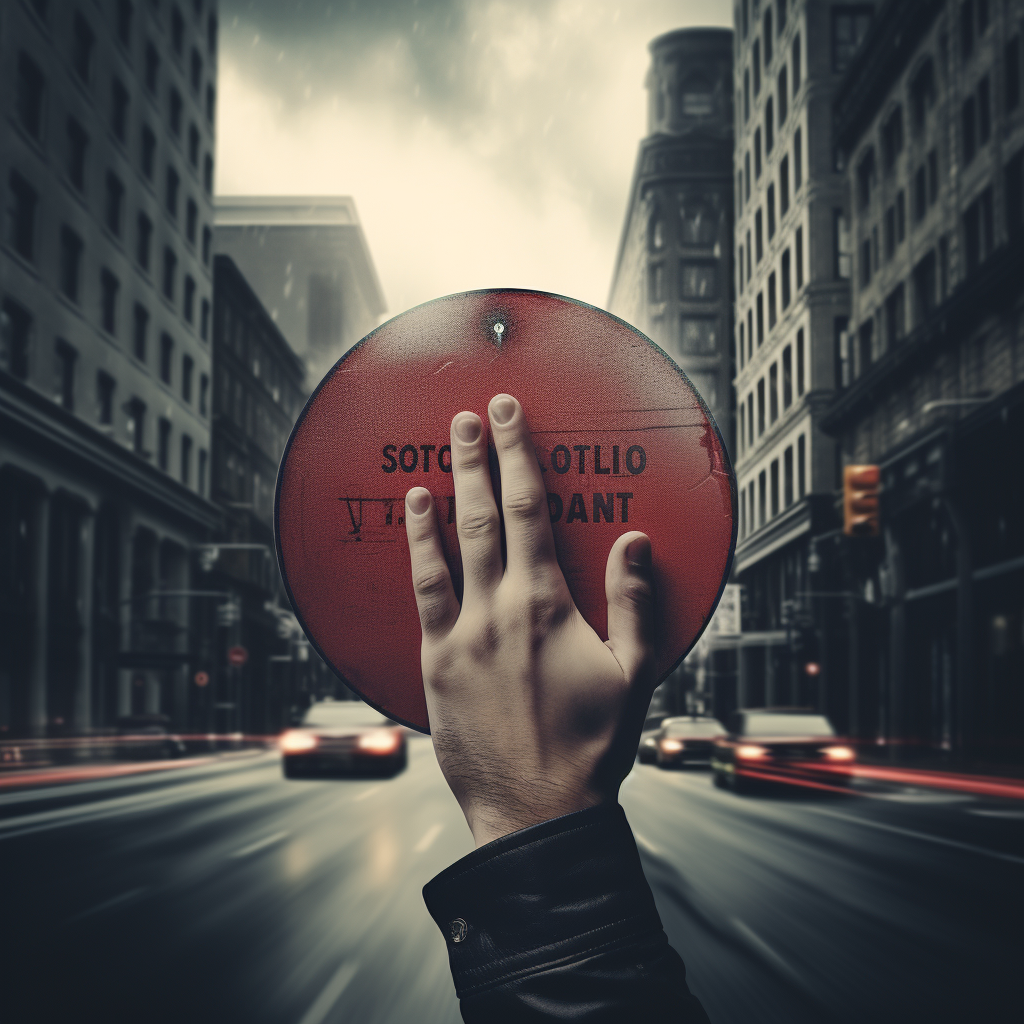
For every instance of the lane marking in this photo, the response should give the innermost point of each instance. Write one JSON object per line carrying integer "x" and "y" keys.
{"x": 766, "y": 951}
{"x": 260, "y": 844}
{"x": 114, "y": 901}
{"x": 324, "y": 1003}
{"x": 984, "y": 812}
{"x": 366, "y": 793}
{"x": 924, "y": 836}
{"x": 425, "y": 843}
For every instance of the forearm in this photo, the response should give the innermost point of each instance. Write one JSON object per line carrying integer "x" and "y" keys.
{"x": 557, "y": 922}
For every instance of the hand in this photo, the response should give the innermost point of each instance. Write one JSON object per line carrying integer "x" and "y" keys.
{"x": 531, "y": 715}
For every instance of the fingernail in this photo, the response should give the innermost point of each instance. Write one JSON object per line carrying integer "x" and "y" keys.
{"x": 418, "y": 500}
{"x": 638, "y": 552}
{"x": 503, "y": 408}
{"x": 467, "y": 426}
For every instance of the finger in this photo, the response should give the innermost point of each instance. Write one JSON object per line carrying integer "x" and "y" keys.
{"x": 629, "y": 586}
{"x": 476, "y": 515}
{"x": 529, "y": 541}
{"x": 431, "y": 581}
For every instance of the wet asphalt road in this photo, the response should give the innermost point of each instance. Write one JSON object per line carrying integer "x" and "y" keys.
{"x": 224, "y": 893}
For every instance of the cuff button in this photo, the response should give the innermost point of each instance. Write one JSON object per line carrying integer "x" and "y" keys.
{"x": 458, "y": 929}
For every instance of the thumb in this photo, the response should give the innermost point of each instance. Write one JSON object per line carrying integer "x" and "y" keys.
{"x": 629, "y": 586}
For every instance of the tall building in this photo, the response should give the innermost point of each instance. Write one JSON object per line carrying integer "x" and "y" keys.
{"x": 673, "y": 271}
{"x": 106, "y": 167}
{"x": 307, "y": 259}
{"x": 259, "y": 387}
{"x": 930, "y": 122}
{"x": 793, "y": 262}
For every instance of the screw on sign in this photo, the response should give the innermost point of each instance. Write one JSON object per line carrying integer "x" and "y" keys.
{"x": 238, "y": 656}
{"x": 202, "y": 678}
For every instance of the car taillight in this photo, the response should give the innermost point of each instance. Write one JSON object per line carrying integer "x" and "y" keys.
{"x": 383, "y": 742}
{"x": 839, "y": 753}
{"x": 295, "y": 741}
{"x": 751, "y": 752}
{"x": 671, "y": 745}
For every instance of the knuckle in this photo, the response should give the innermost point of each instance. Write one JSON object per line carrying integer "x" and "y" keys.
{"x": 431, "y": 581}
{"x": 479, "y": 522}
{"x": 525, "y": 504}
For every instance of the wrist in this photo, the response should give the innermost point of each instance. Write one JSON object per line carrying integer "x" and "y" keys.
{"x": 488, "y": 823}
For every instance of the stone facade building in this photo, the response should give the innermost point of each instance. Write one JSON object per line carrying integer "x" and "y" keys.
{"x": 673, "y": 272}
{"x": 106, "y": 175}
{"x": 930, "y": 122}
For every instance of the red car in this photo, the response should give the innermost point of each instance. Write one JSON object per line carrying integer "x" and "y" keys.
{"x": 788, "y": 745}
{"x": 343, "y": 737}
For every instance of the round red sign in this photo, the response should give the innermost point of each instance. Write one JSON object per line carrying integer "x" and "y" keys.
{"x": 202, "y": 678}
{"x": 238, "y": 656}
{"x": 623, "y": 439}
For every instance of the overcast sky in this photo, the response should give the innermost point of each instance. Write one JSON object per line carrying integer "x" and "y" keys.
{"x": 485, "y": 143}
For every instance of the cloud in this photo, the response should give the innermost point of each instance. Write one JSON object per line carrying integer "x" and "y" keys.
{"x": 485, "y": 142}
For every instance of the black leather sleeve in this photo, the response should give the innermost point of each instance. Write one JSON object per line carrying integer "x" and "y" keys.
{"x": 557, "y": 923}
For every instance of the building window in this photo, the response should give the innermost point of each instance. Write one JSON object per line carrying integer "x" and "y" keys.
{"x": 16, "y": 338}
{"x": 895, "y": 319}
{"x": 865, "y": 178}
{"x": 211, "y": 103}
{"x": 204, "y": 319}
{"x": 152, "y": 73}
{"x": 757, "y": 154}
{"x": 140, "y": 330}
{"x": 208, "y": 174}
{"x": 770, "y": 204}
{"x": 750, "y": 335}
{"x": 865, "y": 343}
{"x": 187, "y": 366}
{"x": 746, "y": 95}
{"x": 749, "y": 251}
{"x": 175, "y": 108}
{"x": 193, "y": 145}
{"x": 698, "y": 335}
{"x": 783, "y": 186}
{"x": 773, "y": 393}
{"x": 78, "y": 146}
{"x": 1015, "y": 192}
{"x": 144, "y": 238}
{"x": 968, "y": 126}
{"x": 211, "y": 34}
{"x": 849, "y": 26}
{"x": 190, "y": 298}
{"x": 787, "y": 377}
{"x": 801, "y": 465}
{"x": 775, "y": 486}
{"x": 739, "y": 270}
{"x": 766, "y": 35}
{"x": 901, "y": 216}
{"x": 1011, "y": 73}
{"x": 966, "y": 28}
{"x": 125, "y": 11}
{"x": 82, "y": 44}
{"x": 163, "y": 443}
{"x": 798, "y": 157}
{"x": 783, "y": 93}
{"x": 204, "y": 389}
{"x": 166, "y": 357}
{"x": 760, "y": 318}
{"x": 171, "y": 192}
{"x": 760, "y": 407}
{"x": 922, "y": 96}
{"x": 933, "y": 176}
{"x": 170, "y": 271}
{"x": 104, "y": 398}
{"x": 924, "y": 281}
{"x": 840, "y": 350}
{"x": 699, "y": 225}
{"x": 109, "y": 288}
{"x": 756, "y": 65}
{"x": 762, "y": 498}
{"x": 745, "y": 17}
{"x": 31, "y": 92}
{"x": 889, "y": 232}
{"x": 148, "y": 151}
{"x": 742, "y": 353}
{"x": 186, "y": 460}
{"x": 842, "y": 256}
{"x": 758, "y": 234}
{"x": 746, "y": 173}
{"x": 114, "y": 204}
{"x": 697, "y": 98}
{"x": 70, "y": 262}
{"x": 739, "y": 193}
{"x": 800, "y": 362}
{"x": 743, "y": 512}
{"x": 750, "y": 419}
{"x": 920, "y": 195}
{"x": 892, "y": 140}
{"x": 787, "y": 477}
{"x": 201, "y": 475}
{"x": 796, "y": 63}
{"x": 656, "y": 282}
{"x": 196, "y": 70}
{"x": 984, "y": 111}
{"x": 21, "y": 216}
{"x": 769, "y": 125}
{"x": 137, "y": 425}
{"x": 177, "y": 30}
{"x": 978, "y": 230}
{"x": 786, "y": 294}
{"x": 698, "y": 280}
{"x": 865, "y": 263}
{"x": 772, "y": 311}
{"x": 119, "y": 110}
{"x": 798, "y": 255}
{"x": 191, "y": 221}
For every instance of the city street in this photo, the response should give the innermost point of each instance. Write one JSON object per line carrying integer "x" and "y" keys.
{"x": 222, "y": 892}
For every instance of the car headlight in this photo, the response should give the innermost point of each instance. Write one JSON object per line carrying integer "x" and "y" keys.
{"x": 751, "y": 752}
{"x": 839, "y": 753}
{"x": 671, "y": 746}
{"x": 384, "y": 741}
{"x": 295, "y": 741}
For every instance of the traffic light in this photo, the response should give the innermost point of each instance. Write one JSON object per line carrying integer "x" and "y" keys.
{"x": 860, "y": 501}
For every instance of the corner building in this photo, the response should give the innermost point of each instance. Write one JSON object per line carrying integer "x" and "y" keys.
{"x": 106, "y": 174}
{"x": 673, "y": 270}
{"x": 793, "y": 262}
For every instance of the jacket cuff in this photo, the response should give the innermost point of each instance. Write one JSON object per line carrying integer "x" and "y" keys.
{"x": 550, "y": 894}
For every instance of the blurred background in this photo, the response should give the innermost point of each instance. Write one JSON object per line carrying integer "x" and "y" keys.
{"x": 817, "y": 208}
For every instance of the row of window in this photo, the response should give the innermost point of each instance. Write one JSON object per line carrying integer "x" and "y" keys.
{"x": 251, "y": 414}
{"x": 770, "y": 502}
{"x": 698, "y": 281}
{"x": 66, "y": 386}
{"x": 770, "y": 202}
{"x": 767, "y": 400}
{"x": 784, "y": 89}
{"x": 780, "y": 290}
{"x": 698, "y": 226}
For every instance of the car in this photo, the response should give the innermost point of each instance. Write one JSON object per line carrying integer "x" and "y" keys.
{"x": 147, "y": 737}
{"x": 690, "y": 740}
{"x": 795, "y": 746}
{"x": 647, "y": 752}
{"x": 343, "y": 737}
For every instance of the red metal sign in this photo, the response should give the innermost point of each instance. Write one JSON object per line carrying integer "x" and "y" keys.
{"x": 238, "y": 656}
{"x": 202, "y": 678}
